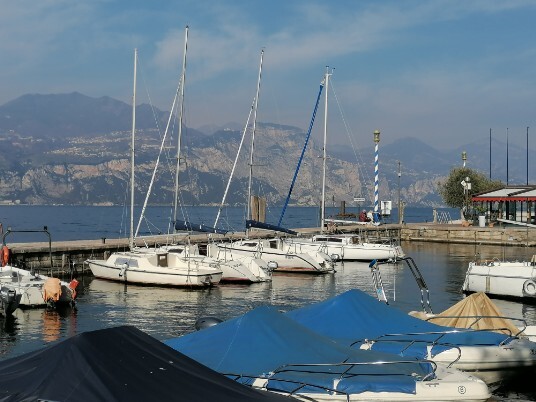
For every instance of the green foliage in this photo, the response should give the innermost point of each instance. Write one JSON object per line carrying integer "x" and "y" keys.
{"x": 452, "y": 190}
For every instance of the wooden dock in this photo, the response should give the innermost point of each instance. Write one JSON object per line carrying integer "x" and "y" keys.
{"x": 66, "y": 256}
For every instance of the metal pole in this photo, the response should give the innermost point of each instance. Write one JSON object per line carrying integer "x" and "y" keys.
{"x": 507, "y": 156}
{"x": 132, "y": 162}
{"x": 324, "y": 153}
{"x": 249, "y": 213}
{"x": 376, "y": 175}
{"x": 399, "y": 206}
{"x": 490, "y": 153}
{"x": 527, "y": 156}
{"x": 179, "y": 133}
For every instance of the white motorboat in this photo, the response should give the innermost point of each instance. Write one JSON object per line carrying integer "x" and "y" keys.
{"x": 515, "y": 279}
{"x": 238, "y": 267}
{"x": 277, "y": 251}
{"x": 36, "y": 290}
{"x": 356, "y": 319}
{"x": 265, "y": 349}
{"x": 156, "y": 267}
{"x": 347, "y": 247}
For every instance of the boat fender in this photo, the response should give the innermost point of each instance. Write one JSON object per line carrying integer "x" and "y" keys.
{"x": 73, "y": 285}
{"x": 529, "y": 287}
{"x": 124, "y": 267}
{"x": 4, "y": 255}
{"x": 272, "y": 265}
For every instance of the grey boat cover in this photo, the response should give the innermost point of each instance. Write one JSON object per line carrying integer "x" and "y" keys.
{"x": 117, "y": 364}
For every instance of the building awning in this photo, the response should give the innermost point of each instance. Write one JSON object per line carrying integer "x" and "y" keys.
{"x": 519, "y": 193}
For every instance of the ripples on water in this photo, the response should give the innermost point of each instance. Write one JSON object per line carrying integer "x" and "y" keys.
{"x": 166, "y": 312}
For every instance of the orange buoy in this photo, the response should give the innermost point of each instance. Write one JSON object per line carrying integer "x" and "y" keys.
{"x": 4, "y": 255}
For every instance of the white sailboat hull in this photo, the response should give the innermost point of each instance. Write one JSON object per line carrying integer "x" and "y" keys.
{"x": 349, "y": 252}
{"x": 511, "y": 279}
{"x": 273, "y": 250}
{"x": 143, "y": 268}
{"x": 238, "y": 267}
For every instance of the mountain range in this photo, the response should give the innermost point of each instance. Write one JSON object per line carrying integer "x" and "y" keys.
{"x": 74, "y": 149}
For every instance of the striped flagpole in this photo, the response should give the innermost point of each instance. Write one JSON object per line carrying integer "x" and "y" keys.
{"x": 376, "y": 178}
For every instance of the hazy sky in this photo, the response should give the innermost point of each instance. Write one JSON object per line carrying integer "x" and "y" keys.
{"x": 443, "y": 71}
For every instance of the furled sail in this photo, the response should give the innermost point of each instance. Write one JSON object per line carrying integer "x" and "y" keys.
{"x": 261, "y": 225}
{"x": 197, "y": 227}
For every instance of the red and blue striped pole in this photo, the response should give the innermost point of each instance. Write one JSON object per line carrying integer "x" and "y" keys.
{"x": 376, "y": 178}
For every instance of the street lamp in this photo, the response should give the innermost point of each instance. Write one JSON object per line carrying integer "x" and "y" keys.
{"x": 399, "y": 206}
{"x": 464, "y": 157}
{"x": 376, "y": 180}
{"x": 468, "y": 188}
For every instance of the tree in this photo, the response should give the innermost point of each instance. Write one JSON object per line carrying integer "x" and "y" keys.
{"x": 452, "y": 190}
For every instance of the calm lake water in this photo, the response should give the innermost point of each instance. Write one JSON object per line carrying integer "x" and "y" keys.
{"x": 165, "y": 313}
{"x": 81, "y": 222}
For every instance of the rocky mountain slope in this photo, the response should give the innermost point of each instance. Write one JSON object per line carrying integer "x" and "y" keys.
{"x": 73, "y": 149}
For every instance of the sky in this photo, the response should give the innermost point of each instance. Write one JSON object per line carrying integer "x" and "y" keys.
{"x": 442, "y": 71}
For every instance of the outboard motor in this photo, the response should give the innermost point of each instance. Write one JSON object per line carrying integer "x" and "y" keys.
{"x": 8, "y": 300}
{"x": 205, "y": 322}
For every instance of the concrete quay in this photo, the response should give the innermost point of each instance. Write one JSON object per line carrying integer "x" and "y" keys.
{"x": 67, "y": 256}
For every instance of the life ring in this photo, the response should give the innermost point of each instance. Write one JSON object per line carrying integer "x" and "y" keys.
{"x": 4, "y": 255}
{"x": 529, "y": 287}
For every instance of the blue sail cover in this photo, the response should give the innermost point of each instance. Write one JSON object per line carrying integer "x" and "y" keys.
{"x": 259, "y": 342}
{"x": 355, "y": 316}
{"x": 197, "y": 227}
{"x": 261, "y": 225}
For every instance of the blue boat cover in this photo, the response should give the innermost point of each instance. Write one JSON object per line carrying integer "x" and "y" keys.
{"x": 259, "y": 342}
{"x": 355, "y": 316}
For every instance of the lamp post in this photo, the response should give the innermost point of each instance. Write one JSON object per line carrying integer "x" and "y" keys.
{"x": 376, "y": 178}
{"x": 468, "y": 190}
{"x": 464, "y": 158}
{"x": 399, "y": 206}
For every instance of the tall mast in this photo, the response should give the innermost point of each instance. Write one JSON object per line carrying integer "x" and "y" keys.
{"x": 131, "y": 236}
{"x": 179, "y": 135}
{"x": 256, "y": 102}
{"x": 324, "y": 154}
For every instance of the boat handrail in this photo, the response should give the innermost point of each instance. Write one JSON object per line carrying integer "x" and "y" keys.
{"x": 411, "y": 342}
{"x": 480, "y": 317}
{"x": 350, "y": 365}
{"x": 300, "y": 384}
{"x": 442, "y": 334}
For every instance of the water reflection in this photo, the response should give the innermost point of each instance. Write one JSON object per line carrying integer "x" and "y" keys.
{"x": 167, "y": 312}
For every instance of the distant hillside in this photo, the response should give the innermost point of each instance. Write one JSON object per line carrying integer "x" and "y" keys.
{"x": 74, "y": 114}
{"x": 74, "y": 149}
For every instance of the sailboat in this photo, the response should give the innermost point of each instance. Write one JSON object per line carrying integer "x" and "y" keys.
{"x": 152, "y": 266}
{"x": 277, "y": 255}
{"x": 346, "y": 246}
